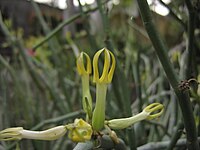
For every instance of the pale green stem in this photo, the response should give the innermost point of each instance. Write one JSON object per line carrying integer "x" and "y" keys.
{"x": 99, "y": 111}
{"x": 86, "y": 95}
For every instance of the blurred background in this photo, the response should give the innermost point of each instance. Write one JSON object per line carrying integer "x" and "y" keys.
{"x": 39, "y": 84}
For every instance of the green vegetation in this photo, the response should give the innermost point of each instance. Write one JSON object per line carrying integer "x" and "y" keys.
{"x": 157, "y": 57}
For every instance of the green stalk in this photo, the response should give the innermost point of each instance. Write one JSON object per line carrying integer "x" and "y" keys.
{"x": 87, "y": 106}
{"x": 86, "y": 26}
{"x": 99, "y": 111}
{"x": 176, "y": 136}
{"x": 38, "y": 79}
{"x": 58, "y": 119}
{"x": 183, "y": 96}
{"x": 172, "y": 13}
{"x": 190, "y": 60}
{"x": 55, "y": 48}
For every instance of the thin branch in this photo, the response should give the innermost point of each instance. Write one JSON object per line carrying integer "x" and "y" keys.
{"x": 176, "y": 136}
{"x": 159, "y": 125}
{"x": 58, "y": 119}
{"x": 171, "y": 12}
{"x": 61, "y": 25}
{"x": 190, "y": 69}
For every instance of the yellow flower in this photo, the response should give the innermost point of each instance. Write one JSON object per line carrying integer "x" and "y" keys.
{"x": 98, "y": 117}
{"x": 19, "y": 133}
{"x": 84, "y": 72}
{"x": 79, "y": 131}
{"x": 150, "y": 112}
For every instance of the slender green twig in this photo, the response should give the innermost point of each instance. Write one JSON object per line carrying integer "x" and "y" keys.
{"x": 38, "y": 80}
{"x": 15, "y": 43}
{"x": 41, "y": 19}
{"x": 61, "y": 25}
{"x": 176, "y": 136}
{"x": 58, "y": 119}
{"x": 171, "y": 12}
{"x": 86, "y": 25}
{"x": 183, "y": 95}
{"x": 55, "y": 48}
{"x": 138, "y": 82}
{"x": 159, "y": 125}
{"x": 191, "y": 64}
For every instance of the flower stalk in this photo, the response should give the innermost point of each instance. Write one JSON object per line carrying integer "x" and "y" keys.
{"x": 99, "y": 111}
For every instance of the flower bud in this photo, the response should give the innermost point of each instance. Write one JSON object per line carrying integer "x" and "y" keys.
{"x": 79, "y": 131}
{"x": 82, "y": 70}
{"x": 11, "y": 134}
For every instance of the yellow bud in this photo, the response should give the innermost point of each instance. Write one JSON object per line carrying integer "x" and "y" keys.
{"x": 79, "y": 131}
{"x": 82, "y": 70}
{"x": 11, "y": 134}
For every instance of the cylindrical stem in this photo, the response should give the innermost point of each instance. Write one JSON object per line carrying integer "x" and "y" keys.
{"x": 99, "y": 111}
{"x": 183, "y": 96}
{"x": 86, "y": 92}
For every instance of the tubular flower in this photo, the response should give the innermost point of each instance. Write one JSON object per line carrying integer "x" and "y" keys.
{"x": 79, "y": 131}
{"x": 98, "y": 117}
{"x": 19, "y": 133}
{"x": 152, "y": 111}
{"x": 85, "y": 72}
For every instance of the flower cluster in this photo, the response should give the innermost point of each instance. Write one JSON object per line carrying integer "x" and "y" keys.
{"x": 82, "y": 130}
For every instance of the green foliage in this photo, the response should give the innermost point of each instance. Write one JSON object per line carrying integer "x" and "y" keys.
{"x": 35, "y": 88}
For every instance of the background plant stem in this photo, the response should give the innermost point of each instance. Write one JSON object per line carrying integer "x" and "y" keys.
{"x": 183, "y": 96}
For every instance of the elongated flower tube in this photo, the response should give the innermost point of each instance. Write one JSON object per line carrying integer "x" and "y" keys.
{"x": 19, "y": 133}
{"x": 101, "y": 86}
{"x": 79, "y": 131}
{"x": 84, "y": 72}
{"x": 152, "y": 111}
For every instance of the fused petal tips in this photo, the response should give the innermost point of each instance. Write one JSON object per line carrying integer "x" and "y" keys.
{"x": 108, "y": 68}
{"x": 11, "y": 134}
{"x": 154, "y": 110}
{"x": 79, "y": 131}
{"x": 19, "y": 133}
{"x": 82, "y": 70}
